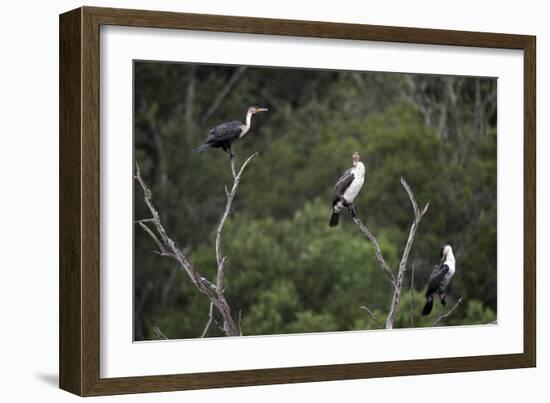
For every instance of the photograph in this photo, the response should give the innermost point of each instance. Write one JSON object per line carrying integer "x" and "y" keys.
{"x": 273, "y": 200}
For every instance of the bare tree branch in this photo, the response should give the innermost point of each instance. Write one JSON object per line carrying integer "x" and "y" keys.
{"x": 445, "y": 315}
{"x": 167, "y": 247}
{"x": 230, "y": 197}
{"x": 163, "y": 239}
{"x": 397, "y": 282}
{"x": 162, "y": 251}
{"x": 371, "y": 314}
{"x": 233, "y": 172}
{"x": 383, "y": 265}
{"x": 210, "y": 318}
{"x": 418, "y": 214}
{"x": 159, "y": 333}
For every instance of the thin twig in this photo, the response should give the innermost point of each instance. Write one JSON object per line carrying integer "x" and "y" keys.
{"x": 144, "y": 220}
{"x": 159, "y": 333}
{"x": 445, "y": 315}
{"x": 162, "y": 250}
{"x": 371, "y": 314}
{"x": 383, "y": 265}
{"x": 210, "y": 313}
{"x": 233, "y": 172}
{"x": 230, "y": 197}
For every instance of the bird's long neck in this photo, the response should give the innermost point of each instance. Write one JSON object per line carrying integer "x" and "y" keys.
{"x": 248, "y": 121}
{"x": 359, "y": 169}
{"x": 450, "y": 261}
{"x": 450, "y": 257}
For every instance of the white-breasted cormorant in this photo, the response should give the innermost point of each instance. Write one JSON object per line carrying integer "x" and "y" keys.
{"x": 347, "y": 188}
{"x": 223, "y": 135}
{"x": 439, "y": 278}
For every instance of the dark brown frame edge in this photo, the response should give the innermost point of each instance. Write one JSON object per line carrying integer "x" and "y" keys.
{"x": 79, "y": 200}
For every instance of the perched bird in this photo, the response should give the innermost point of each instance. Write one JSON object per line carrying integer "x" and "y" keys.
{"x": 347, "y": 188}
{"x": 440, "y": 278}
{"x": 223, "y": 135}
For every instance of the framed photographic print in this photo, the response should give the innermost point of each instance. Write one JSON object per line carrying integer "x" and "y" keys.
{"x": 249, "y": 201}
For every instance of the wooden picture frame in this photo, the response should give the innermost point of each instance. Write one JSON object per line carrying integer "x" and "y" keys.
{"x": 80, "y": 185}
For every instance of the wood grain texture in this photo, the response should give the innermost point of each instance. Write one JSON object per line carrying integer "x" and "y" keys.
{"x": 315, "y": 29}
{"x": 80, "y": 195}
{"x": 530, "y": 203}
{"x": 70, "y": 274}
{"x": 90, "y": 201}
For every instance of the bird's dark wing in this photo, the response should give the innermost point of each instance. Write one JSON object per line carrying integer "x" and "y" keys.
{"x": 343, "y": 183}
{"x": 436, "y": 277}
{"x": 225, "y": 131}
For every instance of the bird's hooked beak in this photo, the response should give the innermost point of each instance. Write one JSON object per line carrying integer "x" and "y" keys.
{"x": 261, "y": 110}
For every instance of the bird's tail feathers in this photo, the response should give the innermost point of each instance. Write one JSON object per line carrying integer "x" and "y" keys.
{"x": 334, "y": 219}
{"x": 202, "y": 148}
{"x": 428, "y": 307}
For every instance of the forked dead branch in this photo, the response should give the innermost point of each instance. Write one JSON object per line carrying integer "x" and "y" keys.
{"x": 395, "y": 281}
{"x": 445, "y": 314}
{"x": 215, "y": 292}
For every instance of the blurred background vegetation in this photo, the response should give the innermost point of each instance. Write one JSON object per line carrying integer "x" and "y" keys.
{"x": 287, "y": 270}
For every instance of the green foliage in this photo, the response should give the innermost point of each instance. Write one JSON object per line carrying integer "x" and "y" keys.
{"x": 279, "y": 281}
{"x": 477, "y": 313}
{"x": 273, "y": 310}
{"x": 287, "y": 271}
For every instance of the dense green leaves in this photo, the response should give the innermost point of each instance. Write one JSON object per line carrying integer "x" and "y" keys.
{"x": 287, "y": 271}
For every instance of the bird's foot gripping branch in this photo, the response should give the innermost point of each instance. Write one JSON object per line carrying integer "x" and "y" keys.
{"x": 214, "y": 291}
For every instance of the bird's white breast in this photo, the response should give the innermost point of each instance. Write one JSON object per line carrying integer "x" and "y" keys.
{"x": 447, "y": 279}
{"x": 451, "y": 265}
{"x": 451, "y": 262}
{"x": 359, "y": 178}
